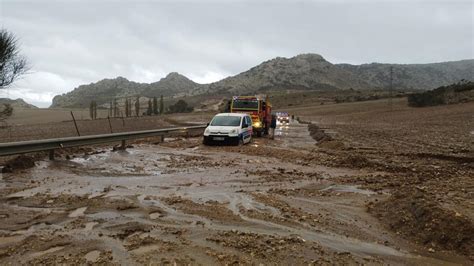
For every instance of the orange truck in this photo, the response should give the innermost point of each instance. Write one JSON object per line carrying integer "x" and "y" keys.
{"x": 259, "y": 109}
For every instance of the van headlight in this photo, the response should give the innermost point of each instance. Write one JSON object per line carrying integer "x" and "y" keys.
{"x": 233, "y": 132}
{"x": 207, "y": 132}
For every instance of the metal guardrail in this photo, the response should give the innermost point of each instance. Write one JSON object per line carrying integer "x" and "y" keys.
{"x": 12, "y": 148}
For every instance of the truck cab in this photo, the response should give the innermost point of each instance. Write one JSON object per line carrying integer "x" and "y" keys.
{"x": 259, "y": 109}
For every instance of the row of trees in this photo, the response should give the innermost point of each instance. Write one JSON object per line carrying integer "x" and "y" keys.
{"x": 131, "y": 107}
{"x": 462, "y": 91}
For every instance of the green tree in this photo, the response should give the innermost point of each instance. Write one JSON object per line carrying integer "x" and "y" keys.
{"x": 137, "y": 106}
{"x": 162, "y": 105}
{"x": 93, "y": 110}
{"x": 127, "y": 109}
{"x": 155, "y": 106}
{"x": 149, "y": 111}
{"x": 116, "y": 110}
{"x": 180, "y": 106}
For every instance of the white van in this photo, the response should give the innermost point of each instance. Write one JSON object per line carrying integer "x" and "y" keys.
{"x": 235, "y": 128}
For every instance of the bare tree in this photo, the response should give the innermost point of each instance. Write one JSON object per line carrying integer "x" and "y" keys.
{"x": 12, "y": 64}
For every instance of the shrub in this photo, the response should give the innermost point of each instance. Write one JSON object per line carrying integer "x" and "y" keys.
{"x": 459, "y": 92}
{"x": 180, "y": 106}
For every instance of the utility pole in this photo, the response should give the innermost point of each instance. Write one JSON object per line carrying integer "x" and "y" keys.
{"x": 390, "y": 90}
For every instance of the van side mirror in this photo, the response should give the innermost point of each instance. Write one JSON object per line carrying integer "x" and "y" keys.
{"x": 244, "y": 125}
{"x": 207, "y": 124}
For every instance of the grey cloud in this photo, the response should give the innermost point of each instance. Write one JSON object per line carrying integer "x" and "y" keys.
{"x": 75, "y": 42}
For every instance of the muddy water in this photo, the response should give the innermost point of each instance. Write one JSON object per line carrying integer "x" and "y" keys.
{"x": 158, "y": 203}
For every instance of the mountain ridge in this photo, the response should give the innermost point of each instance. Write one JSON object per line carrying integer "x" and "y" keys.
{"x": 304, "y": 71}
{"x": 17, "y": 103}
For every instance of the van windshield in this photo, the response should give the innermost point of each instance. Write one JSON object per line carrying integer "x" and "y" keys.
{"x": 229, "y": 121}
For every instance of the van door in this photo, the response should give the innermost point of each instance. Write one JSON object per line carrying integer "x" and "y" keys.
{"x": 248, "y": 130}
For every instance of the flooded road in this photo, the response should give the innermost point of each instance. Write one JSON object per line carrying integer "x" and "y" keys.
{"x": 185, "y": 203}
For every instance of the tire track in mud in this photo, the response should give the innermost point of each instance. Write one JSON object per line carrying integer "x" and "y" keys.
{"x": 198, "y": 209}
{"x": 260, "y": 226}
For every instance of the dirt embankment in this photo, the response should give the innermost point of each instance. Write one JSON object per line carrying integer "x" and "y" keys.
{"x": 318, "y": 134}
{"x": 413, "y": 214}
{"x": 422, "y": 157}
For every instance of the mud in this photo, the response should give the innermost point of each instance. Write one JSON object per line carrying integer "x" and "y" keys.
{"x": 286, "y": 201}
{"x": 318, "y": 134}
{"x": 415, "y": 216}
{"x": 18, "y": 163}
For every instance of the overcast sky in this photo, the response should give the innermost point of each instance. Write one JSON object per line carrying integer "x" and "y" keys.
{"x": 69, "y": 43}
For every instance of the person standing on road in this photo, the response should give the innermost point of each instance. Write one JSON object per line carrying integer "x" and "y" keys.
{"x": 273, "y": 125}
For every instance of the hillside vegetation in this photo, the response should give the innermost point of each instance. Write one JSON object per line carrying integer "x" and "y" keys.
{"x": 455, "y": 93}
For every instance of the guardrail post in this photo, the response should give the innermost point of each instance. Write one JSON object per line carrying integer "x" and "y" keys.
{"x": 162, "y": 138}
{"x": 124, "y": 145}
{"x": 51, "y": 155}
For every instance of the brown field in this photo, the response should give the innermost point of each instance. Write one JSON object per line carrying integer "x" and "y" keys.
{"x": 373, "y": 125}
{"x": 383, "y": 186}
{"x": 31, "y": 124}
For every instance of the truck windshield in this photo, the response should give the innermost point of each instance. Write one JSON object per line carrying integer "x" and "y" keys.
{"x": 229, "y": 121}
{"x": 245, "y": 104}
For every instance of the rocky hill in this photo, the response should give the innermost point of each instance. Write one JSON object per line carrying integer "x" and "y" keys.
{"x": 18, "y": 103}
{"x": 107, "y": 89}
{"x": 415, "y": 76}
{"x": 173, "y": 85}
{"x": 312, "y": 71}
{"x": 306, "y": 71}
